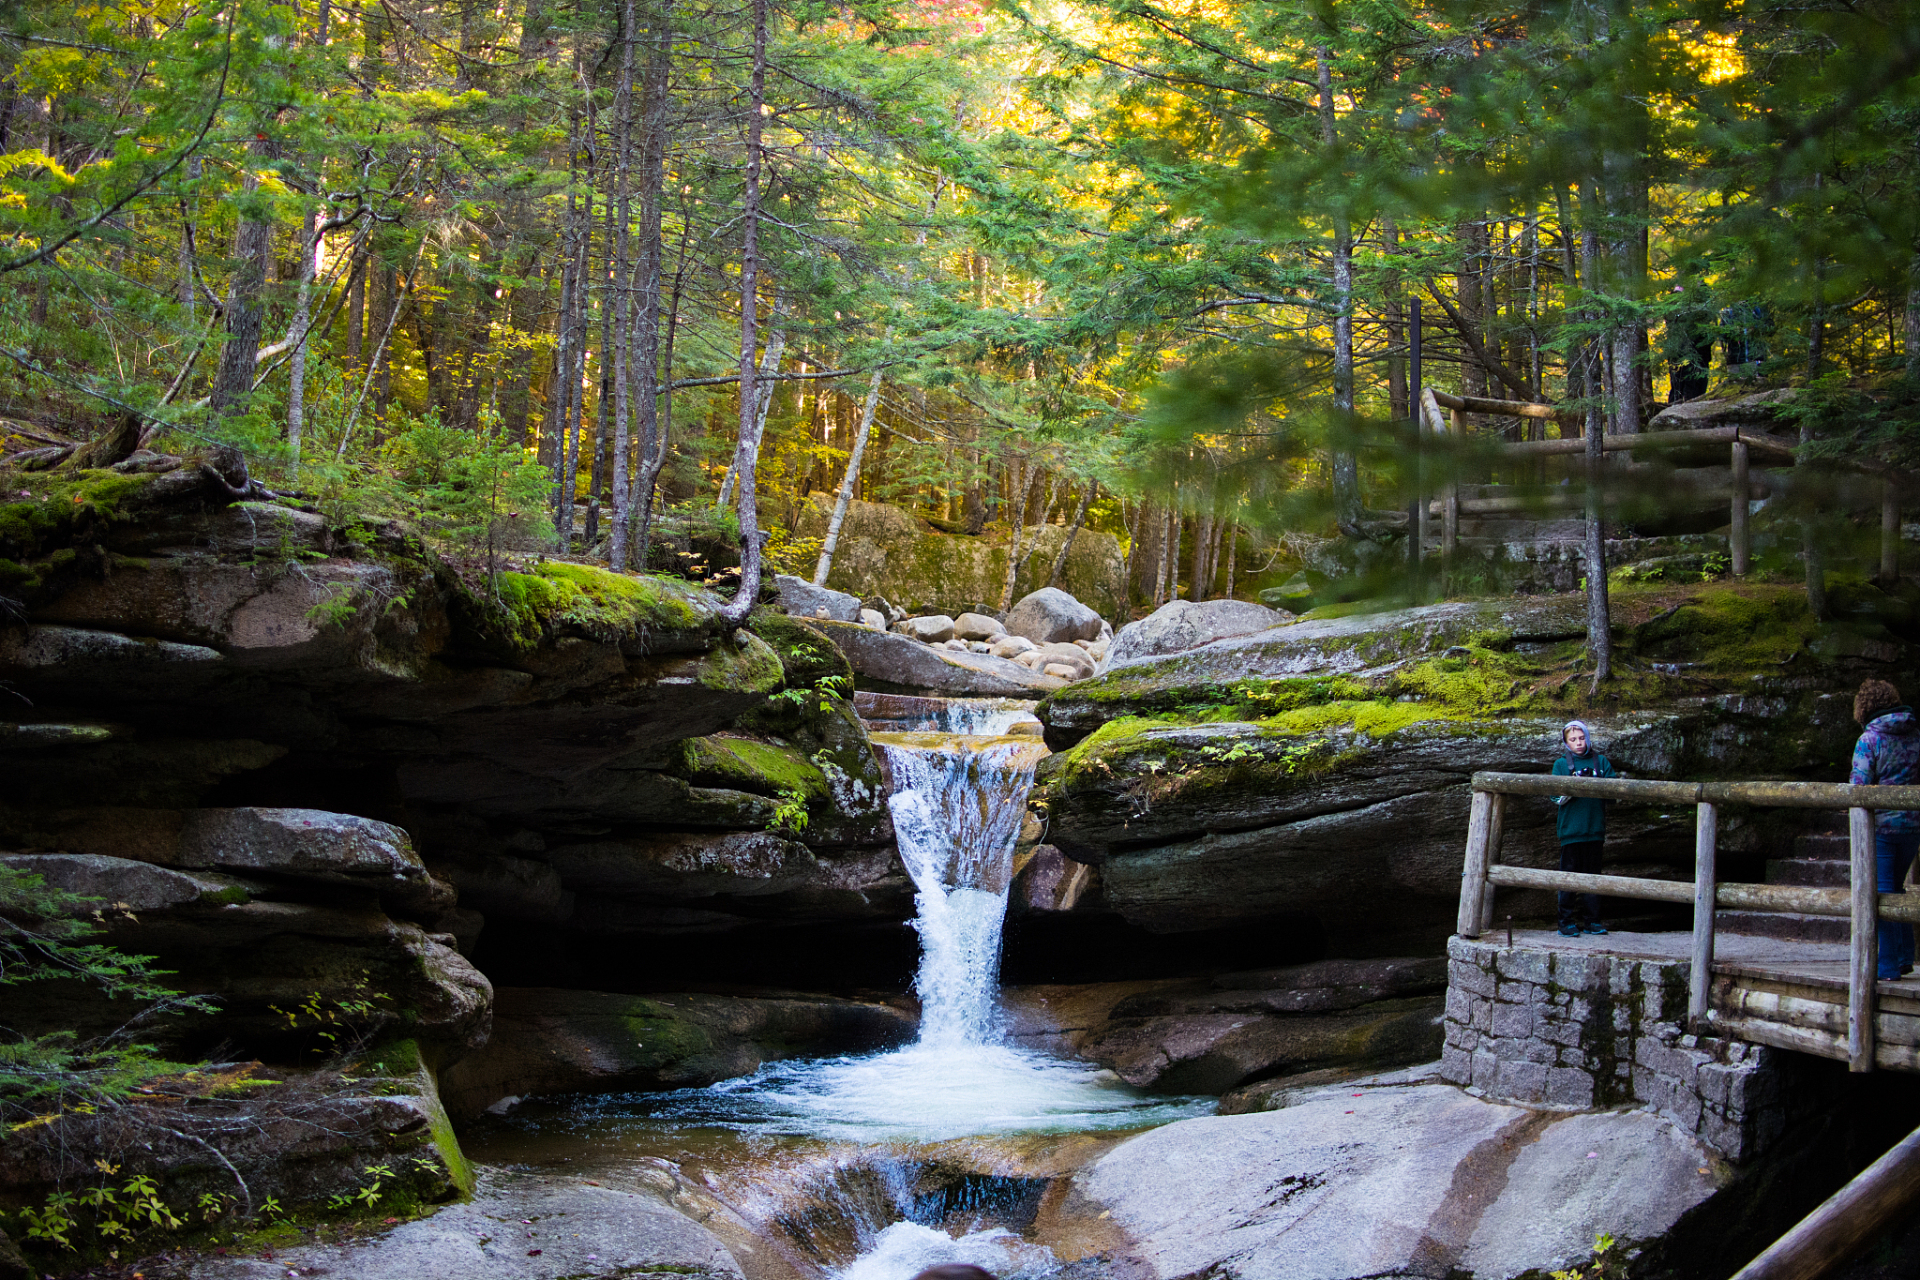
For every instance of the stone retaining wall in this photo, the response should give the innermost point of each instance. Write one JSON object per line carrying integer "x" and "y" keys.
{"x": 1587, "y": 1029}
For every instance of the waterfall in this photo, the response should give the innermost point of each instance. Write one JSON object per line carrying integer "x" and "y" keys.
{"x": 957, "y": 811}
{"x": 958, "y": 803}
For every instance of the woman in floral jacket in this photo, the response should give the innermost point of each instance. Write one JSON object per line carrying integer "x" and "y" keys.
{"x": 1888, "y": 754}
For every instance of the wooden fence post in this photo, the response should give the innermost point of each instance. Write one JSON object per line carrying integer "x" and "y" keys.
{"x": 1473, "y": 877}
{"x": 1738, "y": 546}
{"x": 1706, "y": 836}
{"x": 1450, "y": 512}
{"x": 1496, "y": 826}
{"x": 1863, "y": 952}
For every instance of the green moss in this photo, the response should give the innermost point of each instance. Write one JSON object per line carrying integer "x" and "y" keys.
{"x": 59, "y": 500}
{"x": 744, "y": 764}
{"x": 602, "y": 604}
{"x": 661, "y": 1037}
{"x": 748, "y": 666}
{"x": 805, "y": 653}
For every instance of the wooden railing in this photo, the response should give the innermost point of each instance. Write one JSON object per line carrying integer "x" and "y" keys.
{"x": 1860, "y": 902}
{"x": 1739, "y": 441}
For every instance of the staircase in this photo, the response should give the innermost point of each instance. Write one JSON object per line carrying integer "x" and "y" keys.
{"x": 1821, "y": 860}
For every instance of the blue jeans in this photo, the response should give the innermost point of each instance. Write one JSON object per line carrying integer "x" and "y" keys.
{"x": 1893, "y": 853}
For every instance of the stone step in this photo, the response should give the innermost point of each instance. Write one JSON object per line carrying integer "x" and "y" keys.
{"x": 1823, "y": 873}
{"x": 1823, "y": 846}
{"x": 1786, "y": 925}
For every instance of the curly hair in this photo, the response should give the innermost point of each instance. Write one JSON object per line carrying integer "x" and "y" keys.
{"x": 1874, "y": 698}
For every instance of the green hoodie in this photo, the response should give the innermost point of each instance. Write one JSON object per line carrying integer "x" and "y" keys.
{"x": 1582, "y": 818}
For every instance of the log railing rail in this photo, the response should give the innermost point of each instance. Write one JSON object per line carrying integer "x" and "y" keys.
{"x": 1740, "y": 442}
{"x": 1861, "y": 902}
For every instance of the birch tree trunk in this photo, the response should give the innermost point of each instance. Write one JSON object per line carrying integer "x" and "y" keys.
{"x": 747, "y": 456}
{"x": 1017, "y": 517}
{"x": 297, "y": 367}
{"x": 1073, "y": 531}
{"x": 845, "y": 498}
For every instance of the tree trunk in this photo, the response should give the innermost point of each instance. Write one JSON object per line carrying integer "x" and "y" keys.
{"x": 246, "y": 305}
{"x": 1911, "y": 321}
{"x": 762, "y": 401}
{"x": 1017, "y": 517}
{"x": 357, "y": 309}
{"x": 622, "y": 365}
{"x": 1066, "y": 544}
{"x": 748, "y": 454}
{"x": 1599, "y": 612}
{"x": 1197, "y": 571}
{"x": 1346, "y": 465}
{"x": 643, "y": 370}
{"x": 845, "y": 498}
{"x": 297, "y": 369}
{"x": 1233, "y": 552}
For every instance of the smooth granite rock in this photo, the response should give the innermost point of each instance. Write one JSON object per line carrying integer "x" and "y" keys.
{"x": 802, "y": 599}
{"x": 1183, "y": 625}
{"x": 518, "y": 1226}
{"x": 1050, "y": 615}
{"x": 1397, "y": 1181}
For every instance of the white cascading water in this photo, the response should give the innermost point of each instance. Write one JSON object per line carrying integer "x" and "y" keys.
{"x": 957, "y": 810}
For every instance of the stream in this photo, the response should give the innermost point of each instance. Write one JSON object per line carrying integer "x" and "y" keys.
{"x": 874, "y": 1167}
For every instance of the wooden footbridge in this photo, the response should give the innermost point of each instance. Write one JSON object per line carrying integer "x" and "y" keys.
{"x": 1833, "y": 1008}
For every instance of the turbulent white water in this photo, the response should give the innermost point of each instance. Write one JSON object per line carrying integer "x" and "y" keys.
{"x": 957, "y": 810}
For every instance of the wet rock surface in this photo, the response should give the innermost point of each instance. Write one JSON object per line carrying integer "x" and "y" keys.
{"x": 519, "y": 1225}
{"x": 1209, "y": 1036}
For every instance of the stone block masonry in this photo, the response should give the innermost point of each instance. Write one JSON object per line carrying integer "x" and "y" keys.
{"x": 1588, "y": 1029}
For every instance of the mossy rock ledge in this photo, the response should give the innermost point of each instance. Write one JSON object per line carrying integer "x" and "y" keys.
{"x": 1314, "y": 776}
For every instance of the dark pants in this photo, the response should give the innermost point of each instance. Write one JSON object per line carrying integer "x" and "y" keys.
{"x": 1892, "y": 854}
{"x": 1580, "y": 908}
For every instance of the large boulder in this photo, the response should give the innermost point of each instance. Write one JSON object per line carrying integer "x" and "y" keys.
{"x": 551, "y": 1041}
{"x": 888, "y": 663}
{"x": 1758, "y": 409}
{"x": 1419, "y": 1180}
{"x": 1050, "y": 616}
{"x": 934, "y": 628}
{"x": 802, "y": 599}
{"x": 304, "y": 845}
{"x": 1184, "y": 625}
{"x": 296, "y": 1135}
{"x": 978, "y": 626}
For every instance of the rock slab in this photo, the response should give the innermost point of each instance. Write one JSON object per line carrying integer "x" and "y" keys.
{"x": 1409, "y": 1181}
{"x": 517, "y": 1227}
